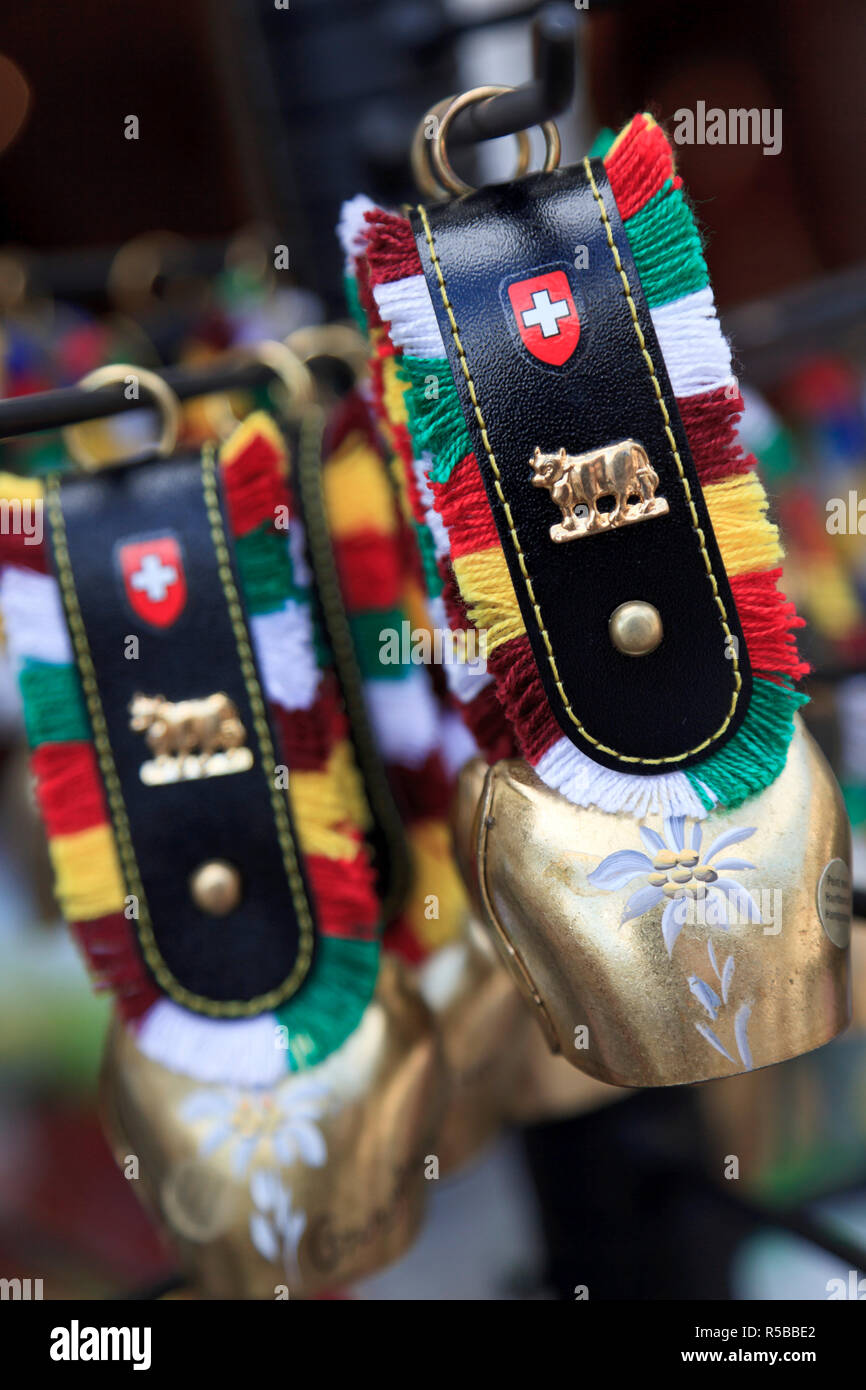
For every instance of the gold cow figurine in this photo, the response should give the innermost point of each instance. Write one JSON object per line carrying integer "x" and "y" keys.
{"x": 189, "y": 739}
{"x": 599, "y": 491}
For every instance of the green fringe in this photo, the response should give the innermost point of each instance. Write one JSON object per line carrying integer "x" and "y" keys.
{"x": 354, "y": 305}
{"x": 427, "y": 547}
{"x": 436, "y": 420}
{"x": 601, "y": 144}
{"x": 54, "y": 709}
{"x": 667, "y": 248}
{"x": 265, "y": 569}
{"x": 855, "y": 802}
{"x": 756, "y": 754}
{"x": 332, "y": 1001}
{"x": 367, "y": 629}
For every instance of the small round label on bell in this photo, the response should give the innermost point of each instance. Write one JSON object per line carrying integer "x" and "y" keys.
{"x": 197, "y": 1201}
{"x": 834, "y": 902}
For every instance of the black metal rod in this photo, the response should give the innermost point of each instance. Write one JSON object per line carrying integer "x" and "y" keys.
{"x": 794, "y": 1221}
{"x": 549, "y": 93}
{"x": 70, "y": 405}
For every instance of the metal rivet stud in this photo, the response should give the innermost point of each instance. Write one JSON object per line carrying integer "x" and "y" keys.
{"x": 216, "y": 887}
{"x": 636, "y": 628}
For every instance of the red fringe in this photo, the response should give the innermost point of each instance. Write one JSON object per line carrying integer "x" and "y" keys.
{"x": 413, "y": 565}
{"x": 365, "y": 293}
{"x": 14, "y": 550}
{"x": 345, "y": 896}
{"x": 767, "y": 619}
{"x": 425, "y": 792}
{"x": 639, "y": 166}
{"x": 403, "y": 447}
{"x": 110, "y": 947}
{"x": 804, "y": 523}
{"x": 485, "y": 718}
{"x": 452, "y": 598}
{"x": 526, "y": 706}
{"x": 253, "y": 485}
{"x": 710, "y": 420}
{"x": 391, "y": 250}
{"x": 766, "y": 615}
{"x": 307, "y": 736}
{"x": 351, "y": 415}
{"x": 463, "y": 504}
{"x": 68, "y": 787}
{"x": 402, "y": 941}
{"x": 406, "y": 458}
{"x": 369, "y": 567}
{"x": 483, "y": 715}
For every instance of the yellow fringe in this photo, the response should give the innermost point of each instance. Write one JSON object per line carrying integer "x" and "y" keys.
{"x": 650, "y": 120}
{"x": 436, "y": 886}
{"x": 489, "y": 595}
{"x": 394, "y": 392}
{"x": 88, "y": 881}
{"x": 16, "y": 489}
{"x": 830, "y": 599}
{"x": 258, "y": 423}
{"x": 747, "y": 539}
{"x": 358, "y": 496}
{"x": 326, "y": 802}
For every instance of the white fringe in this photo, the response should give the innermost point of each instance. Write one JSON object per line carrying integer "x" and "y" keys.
{"x": 463, "y": 678}
{"x": 405, "y": 717}
{"x": 759, "y": 425}
{"x": 465, "y": 681}
{"x": 33, "y": 616}
{"x": 695, "y": 350}
{"x": 442, "y": 974}
{"x": 352, "y": 229}
{"x": 407, "y": 306}
{"x": 456, "y": 742}
{"x": 583, "y": 782}
{"x": 851, "y": 704}
{"x": 238, "y": 1052}
{"x": 301, "y": 572}
{"x": 441, "y": 542}
{"x": 284, "y": 647}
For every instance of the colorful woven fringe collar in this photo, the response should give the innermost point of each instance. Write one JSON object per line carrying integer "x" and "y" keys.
{"x": 469, "y": 585}
{"x": 379, "y": 555}
{"x": 328, "y": 805}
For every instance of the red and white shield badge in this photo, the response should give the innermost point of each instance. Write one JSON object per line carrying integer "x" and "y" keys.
{"x": 154, "y": 579}
{"x": 546, "y": 316}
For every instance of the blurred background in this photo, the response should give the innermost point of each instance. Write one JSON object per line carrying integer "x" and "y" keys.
{"x": 170, "y": 178}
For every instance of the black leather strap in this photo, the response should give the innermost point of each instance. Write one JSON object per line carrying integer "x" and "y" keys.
{"x": 192, "y": 642}
{"x": 588, "y": 386}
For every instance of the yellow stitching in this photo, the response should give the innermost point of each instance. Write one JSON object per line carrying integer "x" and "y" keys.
{"x": 497, "y": 482}
{"x": 114, "y": 791}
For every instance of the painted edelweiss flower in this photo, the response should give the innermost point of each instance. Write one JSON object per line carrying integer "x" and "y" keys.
{"x": 679, "y": 876}
{"x": 275, "y": 1227}
{"x": 244, "y": 1120}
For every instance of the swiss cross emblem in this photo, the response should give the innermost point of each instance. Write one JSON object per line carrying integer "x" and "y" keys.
{"x": 546, "y": 316}
{"x": 154, "y": 579}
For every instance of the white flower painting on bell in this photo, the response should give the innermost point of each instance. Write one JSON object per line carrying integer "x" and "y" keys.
{"x": 679, "y": 875}
{"x": 693, "y": 886}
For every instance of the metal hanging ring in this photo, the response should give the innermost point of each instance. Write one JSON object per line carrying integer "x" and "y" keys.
{"x": 341, "y": 341}
{"x": 420, "y": 152}
{"x": 439, "y": 155}
{"x": 286, "y": 366}
{"x": 292, "y": 374}
{"x": 161, "y": 396}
